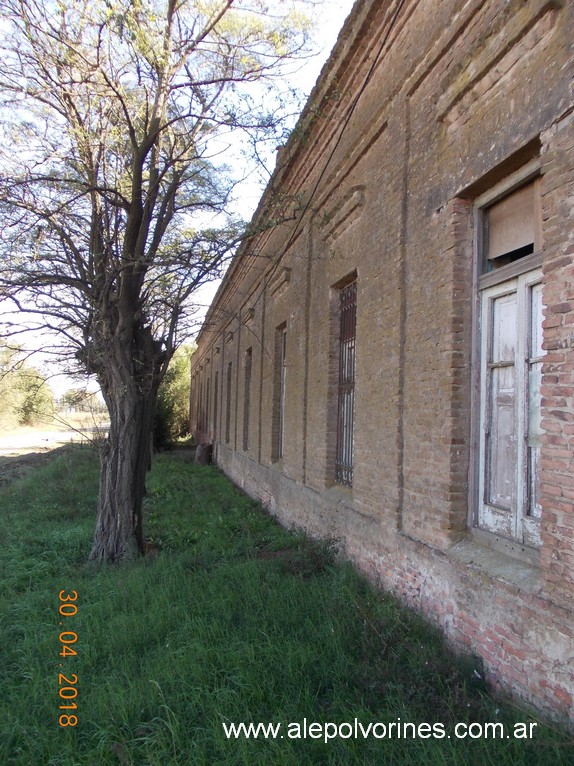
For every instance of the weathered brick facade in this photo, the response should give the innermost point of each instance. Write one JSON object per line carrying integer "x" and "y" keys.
{"x": 425, "y": 116}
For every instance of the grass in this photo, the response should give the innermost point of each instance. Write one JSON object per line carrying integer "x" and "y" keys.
{"x": 234, "y": 619}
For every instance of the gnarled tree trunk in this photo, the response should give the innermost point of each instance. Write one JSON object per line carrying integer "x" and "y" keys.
{"x": 124, "y": 461}
{"x": 129, "y": 384}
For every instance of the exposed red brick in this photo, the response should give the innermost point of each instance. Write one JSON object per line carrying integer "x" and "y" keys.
{"x": 463, "y": 96}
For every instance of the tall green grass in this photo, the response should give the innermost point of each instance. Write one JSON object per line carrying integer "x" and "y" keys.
{"x": 234, "y": 619}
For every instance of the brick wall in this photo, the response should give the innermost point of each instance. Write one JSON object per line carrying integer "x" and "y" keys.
{"x": 454, "y": 101}
{"x": 558, "y": 382}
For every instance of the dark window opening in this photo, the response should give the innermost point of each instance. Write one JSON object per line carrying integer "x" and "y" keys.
{"x": 512, "y": 227}
{"x": 215, "y": 403}
{"x": 247, "y": 398}
{"x": 280, "y": 378}
{"x": 507, "y": 258}
{"x": 346, "y": 385}
{"x": 228, "y": 408}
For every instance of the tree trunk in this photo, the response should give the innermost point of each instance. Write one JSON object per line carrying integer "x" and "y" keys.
{"x": 124, "y": 461}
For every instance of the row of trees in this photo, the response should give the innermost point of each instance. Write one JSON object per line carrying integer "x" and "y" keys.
{"x": 27, "y": 399}
{"x": 117, "y": 120}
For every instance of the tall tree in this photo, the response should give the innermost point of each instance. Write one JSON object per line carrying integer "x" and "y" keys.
{"x": 114, "y": 116}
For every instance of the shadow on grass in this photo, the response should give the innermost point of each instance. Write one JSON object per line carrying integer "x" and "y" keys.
{"x": 13, "y": 468}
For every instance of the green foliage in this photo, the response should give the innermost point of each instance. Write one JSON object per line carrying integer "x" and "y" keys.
{"x": 233, "y": 619}
{"x": 36, "y": 398}
{"x": 171, "y": 419}
{"x": 25, "y": 397}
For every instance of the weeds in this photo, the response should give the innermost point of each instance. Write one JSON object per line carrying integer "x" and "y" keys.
{"x": 233, "y": 619}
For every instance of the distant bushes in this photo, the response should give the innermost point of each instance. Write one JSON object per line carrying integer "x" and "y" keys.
{"x": 25, "y": 397}
{"x": 171, "y": 419}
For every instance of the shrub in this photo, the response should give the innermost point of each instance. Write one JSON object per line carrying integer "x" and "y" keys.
{"x": 171, "y": 419}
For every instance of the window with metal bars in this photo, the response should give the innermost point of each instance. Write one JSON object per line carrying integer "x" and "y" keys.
{"x": 228, "y": 403}
{"x": 200, "y": 423}
{"x": 346, "y": 384}
{"x": 247, "y": 397}
{"x": 215, "y": 404}
{"x": 207, "y": 402}
{"x": 280, "y": 377}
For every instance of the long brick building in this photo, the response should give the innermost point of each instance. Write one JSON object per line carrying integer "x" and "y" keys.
{"x": 390, "y": 358}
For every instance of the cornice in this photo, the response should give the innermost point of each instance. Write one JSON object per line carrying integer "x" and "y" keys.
{"x": 316, "y": 130}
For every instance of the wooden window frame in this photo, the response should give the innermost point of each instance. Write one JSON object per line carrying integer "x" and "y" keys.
{"x": 525, "y": 268}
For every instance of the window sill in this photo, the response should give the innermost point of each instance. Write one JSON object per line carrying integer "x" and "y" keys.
{"x": 507, "y": 547}
{"x": 497, "y": 564}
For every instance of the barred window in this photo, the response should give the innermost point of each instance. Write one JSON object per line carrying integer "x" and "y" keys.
{"x": 215, "y": 403}
{"x": 346, "y": 385}
{"x": 228, "y": 407}
{"x": 280, "y": 377}
{"x": 247, "y": 397}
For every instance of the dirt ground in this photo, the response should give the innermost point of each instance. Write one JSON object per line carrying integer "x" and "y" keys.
{"x": 27, "y": 447}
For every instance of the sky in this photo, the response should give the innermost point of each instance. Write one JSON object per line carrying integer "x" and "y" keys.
{"x": 328, "y": 17}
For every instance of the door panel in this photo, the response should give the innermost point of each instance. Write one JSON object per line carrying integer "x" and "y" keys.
{"x": 510, "y": 422}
